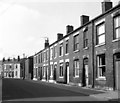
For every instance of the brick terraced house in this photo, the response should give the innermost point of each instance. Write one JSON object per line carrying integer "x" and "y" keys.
{"x": 87, "y": 56}
{"x": 28, "y": 67}
{"x": 11, "y": 68}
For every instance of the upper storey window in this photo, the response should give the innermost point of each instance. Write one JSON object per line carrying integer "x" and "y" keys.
{"x": 51, "y": 53}
{"x": 117, "y": 27}
{"x": 61, "y": 49}
{"x": 66, "y": 49}
{"x": 76, "y": 42}
{"x": 100, "y": 33}
{"x": 85, "y": 39}
{"x": 55, "y": 51}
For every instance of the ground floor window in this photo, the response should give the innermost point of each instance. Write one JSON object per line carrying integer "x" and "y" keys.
{"x": 101, "y": 66}
{"x": 44, "y": 71}
{"x": 61, "y": 69}
{"x": 51, "y": 71}
{"x": 16, "y": 73}
{"x": 76, "y": 67}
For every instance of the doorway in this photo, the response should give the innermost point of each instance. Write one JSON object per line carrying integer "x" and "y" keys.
{"x": 67, "y": 72}
{"x": 85, "y": 72}
{"x": 117, "y": 71}
{"x": 54, "y": 74}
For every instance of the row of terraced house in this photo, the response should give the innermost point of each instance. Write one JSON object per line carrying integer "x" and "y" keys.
{"x": 20, "y": 68}
{"x": 87, "y": 56}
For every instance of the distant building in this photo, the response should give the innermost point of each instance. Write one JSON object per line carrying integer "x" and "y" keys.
{"x": 22, "y": 67}
{"x": 29, "y": 68}
{"x": 0, "y": 68}
{"x": 11, "y": 68}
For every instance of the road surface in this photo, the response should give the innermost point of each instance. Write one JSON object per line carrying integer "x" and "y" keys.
{"x": 24, "y": 90}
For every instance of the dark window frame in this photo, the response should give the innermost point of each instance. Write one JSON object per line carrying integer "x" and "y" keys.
{"x": 101, "y": 65}
{"x": 67, "y": 47}
{"x": 75, "y": 42}
{"x": 114, "y": 28}
{"x": 97, "y": 36}
{"x": 76, "y": 68}
{"x": 61, "y": 49}
{"x": 85, "y": 38}
{"x": 61, "y": 70}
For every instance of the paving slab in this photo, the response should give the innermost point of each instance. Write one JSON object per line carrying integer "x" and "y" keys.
{"x": 109, "y": 95}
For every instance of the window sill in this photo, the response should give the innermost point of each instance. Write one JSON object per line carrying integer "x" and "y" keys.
{"x": 100, "y": 45}
{"x": 115, "y": 40}
{"x": 85, "y": 48}
{"x": 61, "y": 56}
{"x": 51, "y": 76}
{"x": 60, "y": 77}
{"x": 76, "y": 77}
{"x": 67, "y": 54}
{"x": 101, "y": 78}
{"x": 76, "y": 51}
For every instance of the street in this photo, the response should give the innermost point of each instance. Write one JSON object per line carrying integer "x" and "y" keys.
{"x": 23, "y": 90}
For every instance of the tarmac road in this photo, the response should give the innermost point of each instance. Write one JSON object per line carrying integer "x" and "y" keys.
{"x": 22, "y": 90}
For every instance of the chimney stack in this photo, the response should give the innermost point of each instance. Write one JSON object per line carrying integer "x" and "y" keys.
{"x": 106, "y": 5}
{"x": 59, "y": 36}
{"x": 69, "y": 28}
{"x": 119, "y": 2}
{"x": 18, "y": 58}
{"x": 46, "y": 43}
{"x": 84, "y": 19}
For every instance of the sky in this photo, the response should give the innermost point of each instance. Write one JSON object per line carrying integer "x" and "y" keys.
{"x": 24, "y": 24}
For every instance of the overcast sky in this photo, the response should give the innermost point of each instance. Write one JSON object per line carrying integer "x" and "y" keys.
{"x": 25, "y": 23}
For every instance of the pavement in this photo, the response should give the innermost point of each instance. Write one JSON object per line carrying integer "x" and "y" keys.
{"x": 96, "y": 93}
{"x": 0, "y": 90}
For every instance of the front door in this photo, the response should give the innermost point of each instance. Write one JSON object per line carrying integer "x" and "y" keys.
{"x": 67, "y": 73}
{"x": 117, "y": 72}
{"x": 54, "y": 74}
{"x": 86, "y": 75}
{"x": 85, "y": 72}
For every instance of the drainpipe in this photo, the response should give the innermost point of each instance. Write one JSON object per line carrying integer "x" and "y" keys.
{"x": 2, "y": 69}
{"x": 48, "y": 63}
{"x": 93, "y": 52}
